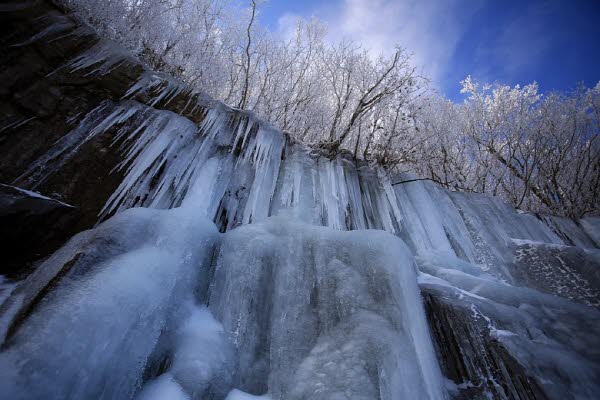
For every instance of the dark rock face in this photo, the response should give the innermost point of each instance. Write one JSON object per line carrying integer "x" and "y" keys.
{"x": 477, "y": 363}
{"x": 31, "y": 227}
{"x": 42, "y": 99}
{"x": 40, "y": 103}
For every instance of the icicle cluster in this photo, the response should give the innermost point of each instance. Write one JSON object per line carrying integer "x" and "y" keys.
{"x": 240, "y": 163}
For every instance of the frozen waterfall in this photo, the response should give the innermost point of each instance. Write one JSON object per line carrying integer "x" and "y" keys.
{"x": 232, "y": 263}
{"x": 155, "y": 303}
{"x": 294, "y": 310}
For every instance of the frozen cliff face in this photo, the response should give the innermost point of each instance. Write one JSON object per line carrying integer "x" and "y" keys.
{"x": 551, "y": 254}
{"x": 154, "y": 303}
{"x": 84, "y": 324}
{"x": 294, "y": 310}
{"x": 320, "y": 314}
{"x": 242, "y": 166}
{"x": 548, "y": 336}
{"x": 497, "y": 285}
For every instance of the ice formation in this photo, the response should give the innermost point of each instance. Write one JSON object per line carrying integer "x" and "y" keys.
{"x": 303, "y": 311}
{"x": 115, "y": 291}
{"x": 294, "y": 310}
{"x": 232, "y": 263}
{"x": 330, "y": 314}
{"x": 513, "y": 273}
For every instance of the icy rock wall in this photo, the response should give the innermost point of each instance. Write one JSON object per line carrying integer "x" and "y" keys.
{"x": 155, "y": 135}
{"x": 551, "y": 342}
{"x": 360, "y": 327}
{"x": 245, "y": 169}
{"x": 322, "y": 314}
{"x": 171, "y": 147}
{"x": 552, "y": 254}
{"x": 86, "y": 323}
{"x": 303, "y": 312}
{"x": 512, "y": 303}
{"x": 207, "y": 160}
{"x": 146, "y": 136}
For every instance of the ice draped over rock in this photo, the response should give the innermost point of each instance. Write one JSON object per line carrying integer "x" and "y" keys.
{"x": 233, "y": 263}
{"x": 91, "y": 316}
{"x": 331, "y": 315}
{"x": 294, "y": 310}
{"x": 511, "y": 274}
{"x": 246, "y": 168}
{"x": 303, "y": 311}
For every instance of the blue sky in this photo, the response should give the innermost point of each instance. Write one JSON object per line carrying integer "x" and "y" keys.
{"x": 553, "y": 42}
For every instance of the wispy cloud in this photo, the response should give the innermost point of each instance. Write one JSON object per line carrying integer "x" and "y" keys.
{"x": 286, "y": 25}
{"x": 448, "y": 39}
{"x": 430, "y": 30}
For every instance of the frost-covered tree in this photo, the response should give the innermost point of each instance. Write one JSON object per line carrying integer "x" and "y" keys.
{"x": 538, "y": 152}
{"x": 337, "y": 95}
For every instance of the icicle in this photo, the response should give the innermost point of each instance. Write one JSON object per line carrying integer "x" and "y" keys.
{"x": 266, "y": 149}
{"x": 58, "y": 24}
{"x": 66, "y": 147}
{"x": 354, "y": 198}
{"x": 104, "y": 56}
{"x": 165, "y": 86}
{"x": 164, "y": 142}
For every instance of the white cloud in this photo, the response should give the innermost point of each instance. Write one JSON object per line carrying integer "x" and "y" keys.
{"x": 430, "y": 30}
{"x": 286, "y": 25}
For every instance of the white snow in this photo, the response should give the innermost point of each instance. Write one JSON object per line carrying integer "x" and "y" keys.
{"x": 163, "y": 388}
{"x": 239, "y": 395}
